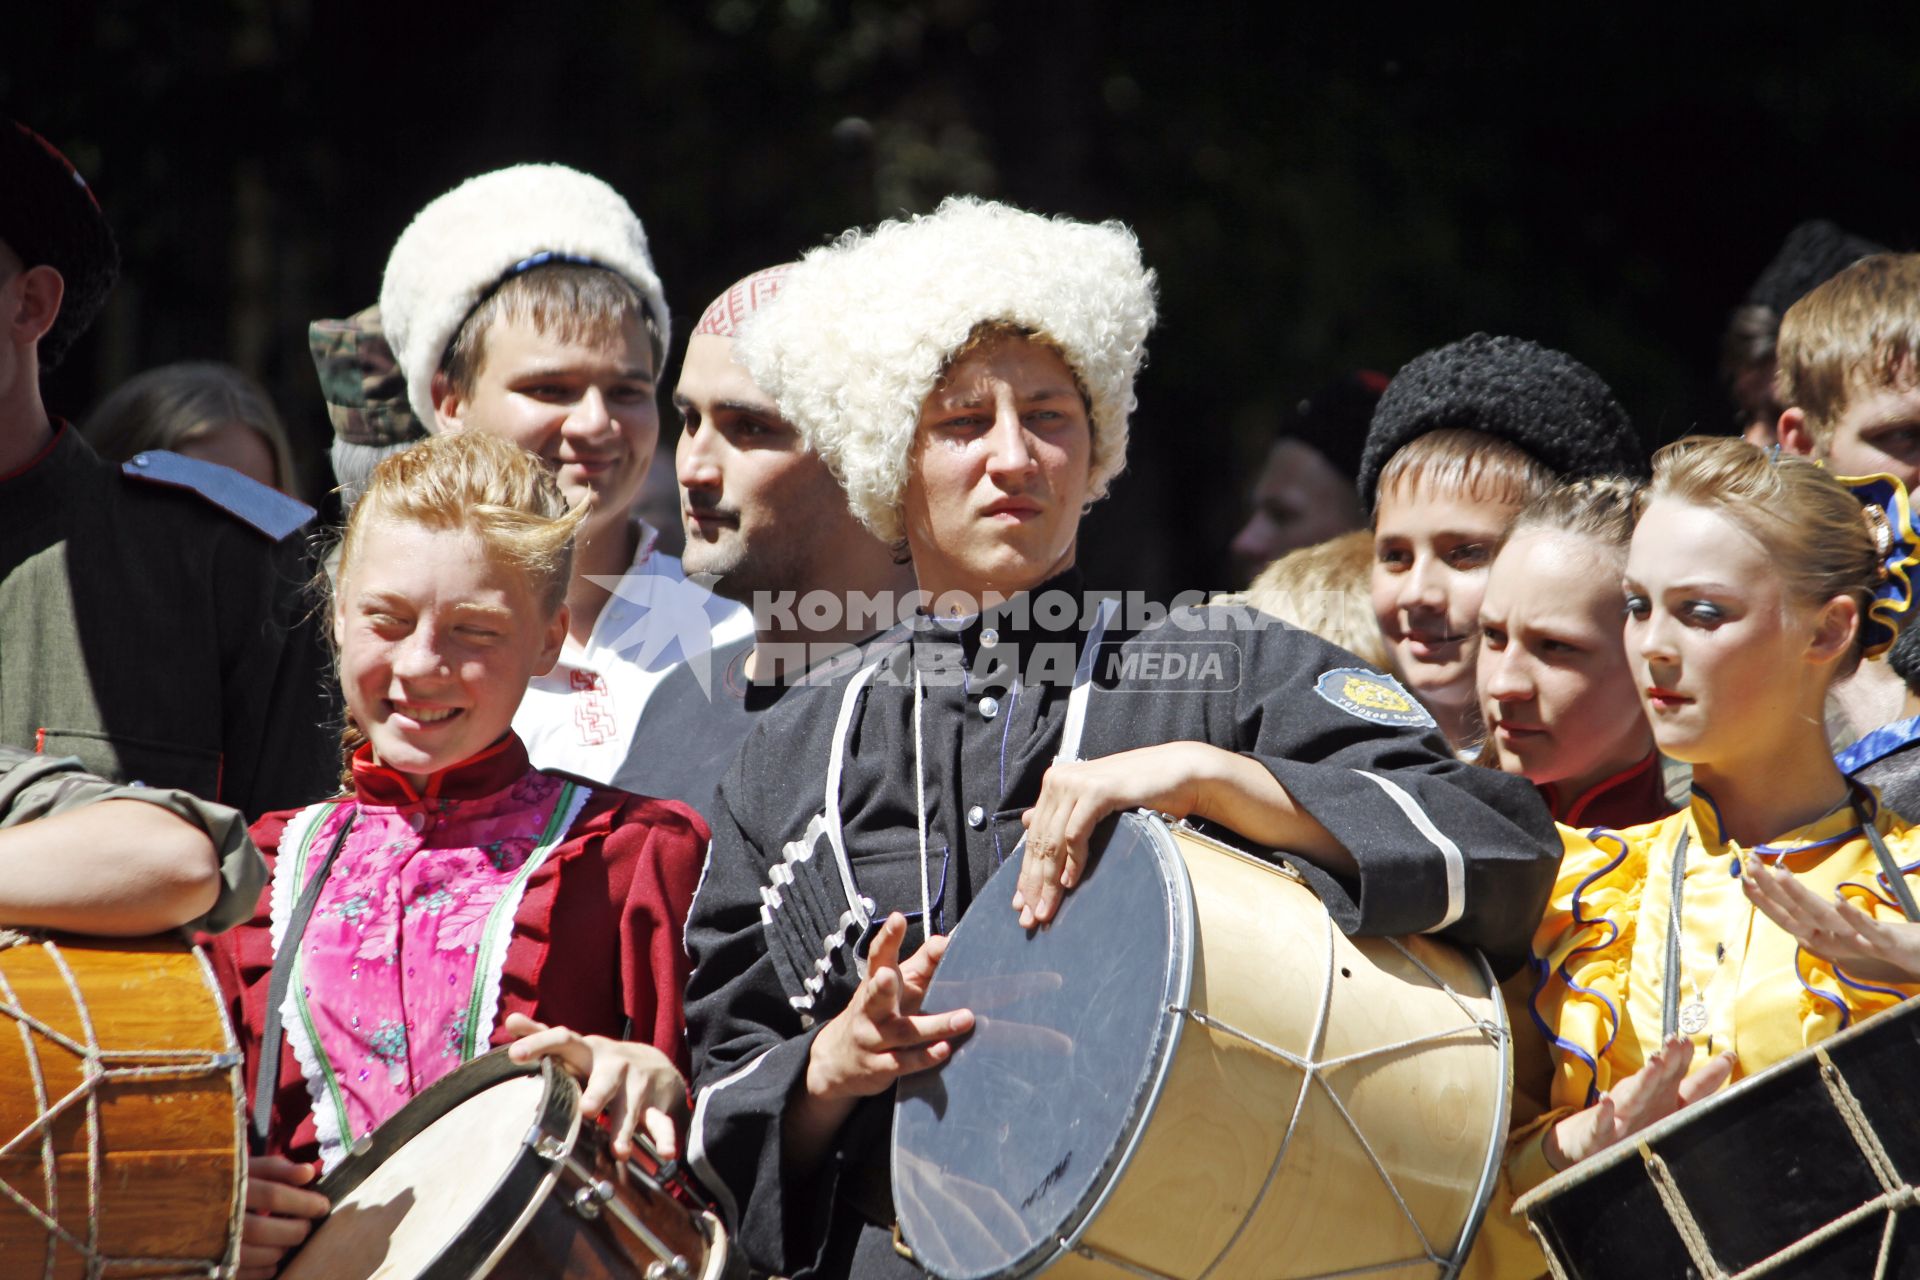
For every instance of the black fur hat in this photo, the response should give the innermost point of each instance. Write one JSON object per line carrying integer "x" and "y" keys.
{"x": 1813, "y": 253}
{"x": 49, "y": 216}
{"x": 1542, "y": 400}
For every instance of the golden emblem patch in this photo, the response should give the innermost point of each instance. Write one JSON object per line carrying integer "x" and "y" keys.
{"x": 1372, "y": 696}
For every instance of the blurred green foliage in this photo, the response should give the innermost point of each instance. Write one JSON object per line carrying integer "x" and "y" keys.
{"x": 1319, "y": 188}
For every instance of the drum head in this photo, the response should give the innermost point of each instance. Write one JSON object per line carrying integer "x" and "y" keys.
{"x": 1004, "y": 1152}
{"x": 413, "y": 1199}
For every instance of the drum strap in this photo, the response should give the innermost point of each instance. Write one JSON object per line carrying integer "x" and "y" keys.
{"x": 1896, "y": 881}
{"x": 1670, "y": 989}
{"x": 266, "y": 1076}
{"x": 1083, "y": 683}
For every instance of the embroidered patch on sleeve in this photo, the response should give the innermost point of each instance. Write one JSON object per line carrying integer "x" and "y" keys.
{"x": 1372, "y": 696}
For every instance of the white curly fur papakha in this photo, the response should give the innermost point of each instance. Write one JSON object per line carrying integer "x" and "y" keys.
{"x": 460, "y": 248}
{"x": 864, "y": 328}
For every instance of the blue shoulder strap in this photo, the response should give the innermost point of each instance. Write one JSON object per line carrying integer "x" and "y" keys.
{"x": 1877, "y": 744}
{"x": 268, "y": 510}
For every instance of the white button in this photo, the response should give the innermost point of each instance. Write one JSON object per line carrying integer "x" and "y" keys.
{"x": 140, "y": 459}
{"x": 989, "y": 707}
{"x": 417, "y": 820}
{"x": 989, "y": 637}
{"x": 976, "y": 817}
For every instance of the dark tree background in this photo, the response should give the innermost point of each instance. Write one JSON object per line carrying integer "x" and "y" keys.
{"x": 1320, "y": 188}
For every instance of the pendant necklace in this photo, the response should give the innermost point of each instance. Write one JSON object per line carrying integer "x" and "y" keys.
{"x": 1692, "y": 1018}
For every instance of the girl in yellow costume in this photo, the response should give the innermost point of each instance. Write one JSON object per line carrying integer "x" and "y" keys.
{"x": 1747, "y": 585}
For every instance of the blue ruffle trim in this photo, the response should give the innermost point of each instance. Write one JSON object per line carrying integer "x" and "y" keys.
{"x": 1599, "y": 836}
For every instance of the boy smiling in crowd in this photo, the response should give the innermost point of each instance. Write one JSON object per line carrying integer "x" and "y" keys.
{"x": 1464, "y": 437}
{"x": 524, "y": 304}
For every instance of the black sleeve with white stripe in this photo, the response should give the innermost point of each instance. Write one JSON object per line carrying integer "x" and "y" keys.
{"x": 750, "y": 1042}
{"x": 1441, "y": 846}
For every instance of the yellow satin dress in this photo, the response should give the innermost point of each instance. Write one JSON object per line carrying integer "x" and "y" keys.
{"x": 1588, "y": 1012}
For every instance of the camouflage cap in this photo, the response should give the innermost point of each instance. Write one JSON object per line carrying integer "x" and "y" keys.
{"x": 366, "y": 393}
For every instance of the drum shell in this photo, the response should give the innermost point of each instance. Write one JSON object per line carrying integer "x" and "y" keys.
{"x": 531, "y": 1222}
{"x": 1760, "y": 1167}
{"x": 1229, "y": 1170}
{"x": 1266, "y": 953}
{"x": 171, "y": 1172}
{"x": 558, "y": 1243}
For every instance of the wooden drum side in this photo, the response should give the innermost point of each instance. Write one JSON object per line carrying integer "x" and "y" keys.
{"x": 1197, "y": 1193}
{"x": 169, "y": 1123}
{"x": 560, "y": 1242}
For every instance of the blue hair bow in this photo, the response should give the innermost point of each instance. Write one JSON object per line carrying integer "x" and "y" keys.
{"x": 1890, "y": 513}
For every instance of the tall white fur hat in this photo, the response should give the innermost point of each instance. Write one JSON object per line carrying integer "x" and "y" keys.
{"x": 464, "y": 245}
{"x": 863, "y": 329}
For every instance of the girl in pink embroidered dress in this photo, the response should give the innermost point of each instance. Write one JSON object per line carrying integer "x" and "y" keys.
{"x": 463, "y": 898}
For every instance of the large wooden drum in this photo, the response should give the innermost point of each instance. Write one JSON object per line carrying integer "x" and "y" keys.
{"x": 1809, "y": 1169}
{"x": 1192, "y": 1073}
{"x": 120, "y": 1111}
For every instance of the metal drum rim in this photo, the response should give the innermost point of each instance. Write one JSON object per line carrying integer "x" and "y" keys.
{"x": 1182, "y": 930}
{"x": 559, "y": 1085}
{"x": 1502, "y": 1122}
{"x": 469, "y": 1081}
{"x": 1182, "y": 935}
{"x": 1629, "y": 1148}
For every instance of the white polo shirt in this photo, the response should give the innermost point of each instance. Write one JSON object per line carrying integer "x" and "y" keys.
{"x": 583, "y": 716}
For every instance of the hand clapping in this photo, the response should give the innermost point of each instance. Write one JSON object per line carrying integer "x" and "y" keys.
{"x": 1654, "y": 1092}
{"x": 1837, "y": 931}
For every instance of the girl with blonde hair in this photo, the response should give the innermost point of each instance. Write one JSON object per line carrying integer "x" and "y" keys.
{"x": 1750, "y": 588}
{"x": 436, "y": 889}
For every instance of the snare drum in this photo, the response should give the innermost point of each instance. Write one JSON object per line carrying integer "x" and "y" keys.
{"x": 1808, "y": 1169}
{"x": 492, "y": 1170}
{"x": 120, "y": 1110}
{"x": 1191, "y": 1072}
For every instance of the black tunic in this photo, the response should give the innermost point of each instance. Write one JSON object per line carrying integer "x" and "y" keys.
{"x": 688, "y": 735}
{"x": 776, "y": 938}
{"x": 159, "y": 638}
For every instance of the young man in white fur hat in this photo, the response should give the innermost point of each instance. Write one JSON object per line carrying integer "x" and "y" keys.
{"x": 968, "y": 376}
{"x": 524, "y": 303}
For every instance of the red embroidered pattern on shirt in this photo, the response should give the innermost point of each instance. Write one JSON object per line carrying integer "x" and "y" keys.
{"x": 592, "y": 707}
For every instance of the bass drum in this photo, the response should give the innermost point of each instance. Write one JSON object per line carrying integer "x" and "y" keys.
{"x": 1192, "y": 1072}
{"x": 120, "y": 1110}
{"x": 1809, "y": 1169}
{"x": 492, "y": 1170}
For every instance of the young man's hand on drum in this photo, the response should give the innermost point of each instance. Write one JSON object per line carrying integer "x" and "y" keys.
{"x": 880, "y": 1036}
{"x": 1654, "y": 1092}
{"x": 280, "y": 1214}
{"x": 1180, "y": 779}
{"x": 633, "y": 1083}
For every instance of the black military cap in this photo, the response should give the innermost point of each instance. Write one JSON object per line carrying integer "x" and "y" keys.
{"x": 48, "y": 216}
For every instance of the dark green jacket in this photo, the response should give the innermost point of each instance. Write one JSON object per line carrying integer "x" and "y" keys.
{"x": 40, "y": 786}
{"x": 159, "y": 638}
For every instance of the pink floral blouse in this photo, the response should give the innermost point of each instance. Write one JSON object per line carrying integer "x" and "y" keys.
{"x": 407, "y": 939}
